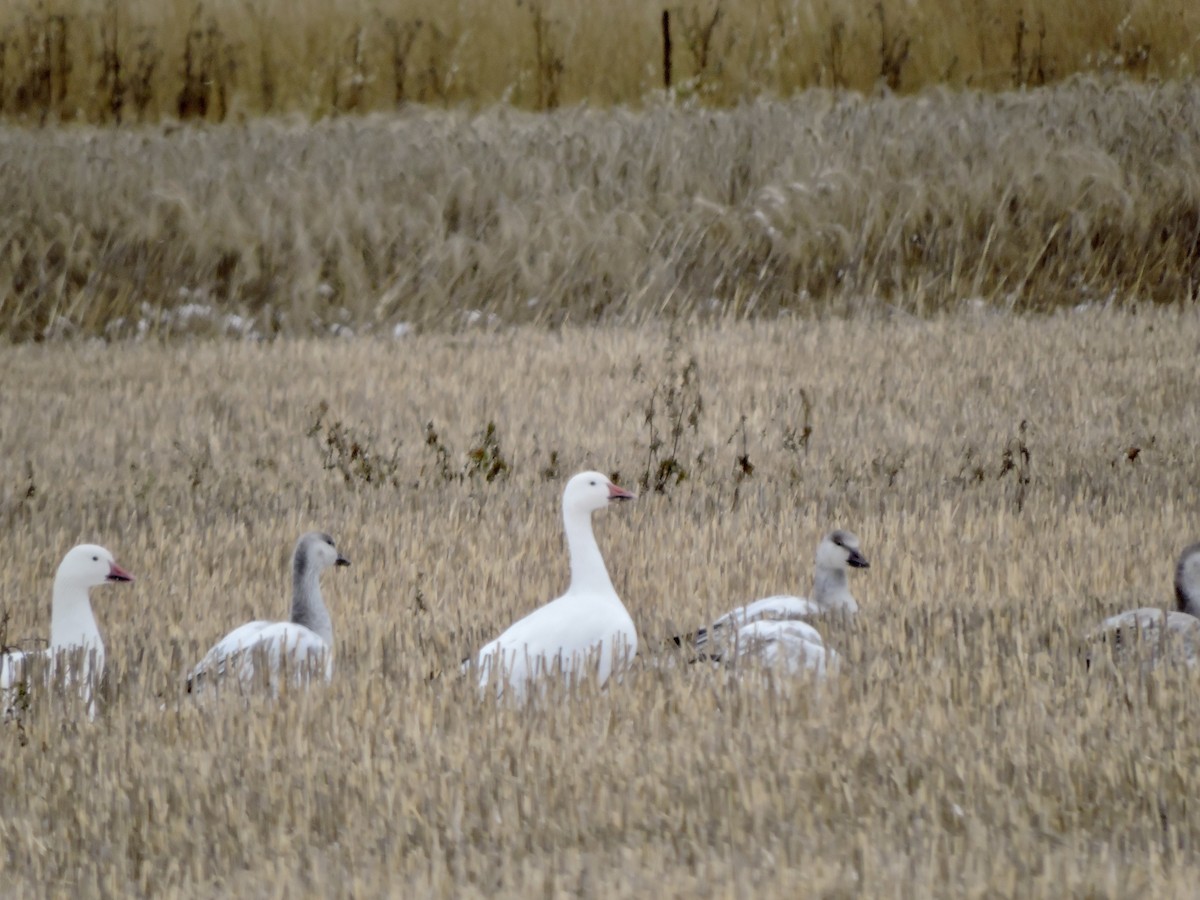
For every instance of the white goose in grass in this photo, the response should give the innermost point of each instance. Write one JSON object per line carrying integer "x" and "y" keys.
{"x": 72, "y": 622}
{"x": 771, "y": 630}
{"x": 1161, "y": 634}
{"x": 586, "y": 627}
{"x": 304, "y": 643}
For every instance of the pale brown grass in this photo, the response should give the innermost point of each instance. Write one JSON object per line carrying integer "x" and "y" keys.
{"x": 966, "y": 751}
{"x": 1087, "y": 192}
{"x": 144, "y": 60}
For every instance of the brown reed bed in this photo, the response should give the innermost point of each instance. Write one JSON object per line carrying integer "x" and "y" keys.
{"x": 1082, "y": 193}
{"x": 1013, "y": 480}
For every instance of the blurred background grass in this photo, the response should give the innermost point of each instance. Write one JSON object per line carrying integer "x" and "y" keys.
{"x": 1086, "y": 192}
{"x": 109, "y": 61}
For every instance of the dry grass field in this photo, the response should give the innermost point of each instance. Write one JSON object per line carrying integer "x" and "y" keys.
{"x": 145, "y": 60}
{"x": 1085, "y": 192}
{"x": 1013, "y": 479}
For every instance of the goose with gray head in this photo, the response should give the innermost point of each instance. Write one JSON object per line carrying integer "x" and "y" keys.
{"x": 304, "y": 643}
{"x": 72, "y": 623}
{"x": 773, "y": 630}
{"x": 1154, "y": 635}
{"x": 587, "y": 629}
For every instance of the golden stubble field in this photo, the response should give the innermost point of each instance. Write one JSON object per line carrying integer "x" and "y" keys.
{"x": 966, "y": 751}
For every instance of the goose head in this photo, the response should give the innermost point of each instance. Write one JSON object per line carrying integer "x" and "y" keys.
{"x": 317, "y": 549}
{"x": 589, "y": 491}
{"x": 1187, "y": 580}
{"x": 88, "y": 566}
{"x": 839, "y": 551}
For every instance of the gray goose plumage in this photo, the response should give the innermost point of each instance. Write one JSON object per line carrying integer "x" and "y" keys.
{"x": 1158, "y": 634}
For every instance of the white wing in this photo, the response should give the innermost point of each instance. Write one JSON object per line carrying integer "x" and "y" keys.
{"x": 790, "y": 645}
{"x": 780, "y": 606}
{"x": 271, "y": 644}
{"x": 566, "y": 635}
{"x": 1152, "y": 634}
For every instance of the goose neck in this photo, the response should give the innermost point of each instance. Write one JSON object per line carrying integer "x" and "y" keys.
{"x": 1187, "y": 600}
{"x": 831, "y": 590}
{"x": 308, "y": 606}
{"x": 588, "y": 572}
{"x": 72, "y": 623}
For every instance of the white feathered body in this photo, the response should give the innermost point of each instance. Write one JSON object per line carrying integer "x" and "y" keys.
{"x": 1149, "y": 635}
{"x": 1153, "y": 635}
{"x": 14, "y": 671}
{"x": 790, "y": 646}
{"x": 76, "y": 648}
{"x": 81, "y": 667}
{"x": 575, "y": 635}
{"x": 302, "y": 648}
{"x": 772, "y": 631}
{"x": 781, "y": 606}
{"x": 299, "y": 651}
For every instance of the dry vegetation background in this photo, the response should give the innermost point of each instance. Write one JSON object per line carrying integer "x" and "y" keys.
{"x": 139, "y": 60}
{"x": 774, "y": 310}
{"x": 1084, "y": 192}
{"x": 1013, "y": 479}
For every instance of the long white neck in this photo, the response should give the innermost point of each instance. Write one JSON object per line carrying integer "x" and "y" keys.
{"x": 831, "y": 591}
{"x": 308, "y": 607}
{"x": 588, "y": 574}
{"x": 71, "y": 621}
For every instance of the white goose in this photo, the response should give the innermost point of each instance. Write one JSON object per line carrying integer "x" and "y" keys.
{"x": 588, "y": 625}
{"x": 304, "y": 643}
{"x": 72, "y": 623}
{"x": 1173, "y": 634}
{"x": 770, "y": 631}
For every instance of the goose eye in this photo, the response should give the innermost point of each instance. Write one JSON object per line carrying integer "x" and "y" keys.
{"x": 95, "y": 559}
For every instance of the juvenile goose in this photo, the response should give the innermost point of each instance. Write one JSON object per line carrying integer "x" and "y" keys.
{"x": 72, "y": 623}
{"x": 587, "y": 625}
{"x": 304, "y": 641}
{"x": 1163, "y": 634}
{"x": 769, "y": 629}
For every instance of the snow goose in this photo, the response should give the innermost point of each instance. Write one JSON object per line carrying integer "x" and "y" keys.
{"x": 586, "y": 626}
{"x": 769, "y": 630}
{"x": 1163, "y": 634}
{"x": 72, "y": 623}
{"x": 303, "y": 642}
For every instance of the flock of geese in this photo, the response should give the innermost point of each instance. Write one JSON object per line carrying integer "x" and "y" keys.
{"x": 586, "y": 632}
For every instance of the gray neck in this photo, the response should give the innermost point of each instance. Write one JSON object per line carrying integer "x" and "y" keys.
{"x": 831, "y": 591}
{"x": 1186, "y": 604}
{"x": 308, "y": 607}
{"x": 588, "y": 573}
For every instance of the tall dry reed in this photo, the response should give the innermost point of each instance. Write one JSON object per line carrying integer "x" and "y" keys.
{"x": 104, "y": 61}
{"x": 1083, "y": 193}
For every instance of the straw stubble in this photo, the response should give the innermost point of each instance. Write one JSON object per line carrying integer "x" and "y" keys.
{"x": 966, "y": 748}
